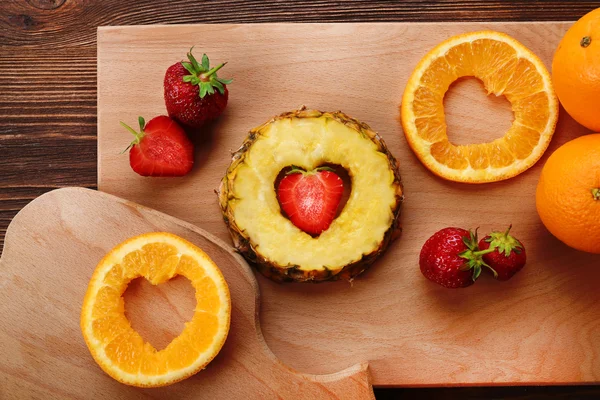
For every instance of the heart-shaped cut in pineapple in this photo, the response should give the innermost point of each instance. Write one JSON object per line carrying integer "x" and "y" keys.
{"x": 369, "y": 207}
{"x": 310, "y": 199}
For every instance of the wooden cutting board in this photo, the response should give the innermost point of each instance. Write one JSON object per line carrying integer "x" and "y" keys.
{"x": 52, "y": 247}
{"x": 542, "y": 327}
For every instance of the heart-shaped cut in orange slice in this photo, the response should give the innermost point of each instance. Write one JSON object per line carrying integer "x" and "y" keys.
{"x": 118, "y": 348}
{"x": 505, "y": 67}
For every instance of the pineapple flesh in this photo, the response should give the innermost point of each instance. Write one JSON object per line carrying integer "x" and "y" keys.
{"x": 309, "y": 139}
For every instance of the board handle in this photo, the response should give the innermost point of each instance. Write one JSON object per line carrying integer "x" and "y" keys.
{"x": 55, "y": 239}
{"x": 353, "y": 383}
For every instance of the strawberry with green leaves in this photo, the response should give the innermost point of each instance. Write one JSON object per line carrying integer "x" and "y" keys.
{"x": 451, "y": 258}
{"x": 454, "y": 258}
{"x": 504, "y": 254}
{"x": 194, "y": 94}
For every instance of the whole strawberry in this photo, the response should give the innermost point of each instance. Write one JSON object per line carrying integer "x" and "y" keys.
{"x": 194, "y": 94}
{"x": 503, "y": 253}
{"x": 160, "y": 148}
{"x": 450, "y": 258}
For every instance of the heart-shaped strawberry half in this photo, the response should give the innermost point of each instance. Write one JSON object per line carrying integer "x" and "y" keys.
{"x": 310, "y": 199}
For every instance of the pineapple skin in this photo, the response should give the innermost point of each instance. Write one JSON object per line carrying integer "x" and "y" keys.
{"x": 281, "y": 273}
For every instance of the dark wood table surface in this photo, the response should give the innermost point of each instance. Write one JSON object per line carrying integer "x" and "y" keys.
{"x": 48, "y": 93}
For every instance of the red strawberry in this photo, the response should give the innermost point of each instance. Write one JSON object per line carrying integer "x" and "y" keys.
{"x": 503, "y": 253}
{"x": 190, "y": 94}
{"x": 450, "y": 258}
{"x": 310, "y": 199}
{"x": 160, "y": 148}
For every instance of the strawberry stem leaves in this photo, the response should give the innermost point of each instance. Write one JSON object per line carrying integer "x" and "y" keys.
{"x": 214, "y": 70}
{"x": 205, "y": 63}
{"x": 225, "y": 81}
{"x": 193, "y": 60}
{"x": 474, "y": 256}
{"x": 325, "y": 168}
{"x": 138, "y": 135}
{"x": 130, "y": 129}
{"x": 476, "y": 273}
{"x": 206, "y": 88}
{"x": 504, "y": 242}
{"x": 294, "y": 169}
{"x": 189, "y": 67}
{"x": 203, "y": 76}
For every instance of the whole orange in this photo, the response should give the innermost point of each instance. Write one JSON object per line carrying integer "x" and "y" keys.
{"x": 568, "y": 193}
{"x": 576, "y": 70}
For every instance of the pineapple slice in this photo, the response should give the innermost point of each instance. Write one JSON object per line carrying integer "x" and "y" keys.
{"x": 309, "y": 139}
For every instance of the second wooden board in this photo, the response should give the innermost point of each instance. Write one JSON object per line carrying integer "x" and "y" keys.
{"x": 540, "y": 327}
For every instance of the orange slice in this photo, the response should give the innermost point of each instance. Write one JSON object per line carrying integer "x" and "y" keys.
{"x": 117, "y": 348}
{"x": 505, "y": 67}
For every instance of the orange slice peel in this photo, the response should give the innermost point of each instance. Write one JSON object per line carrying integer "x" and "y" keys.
{"x": 117, "y": 348}
{"x": 505, "y": 67}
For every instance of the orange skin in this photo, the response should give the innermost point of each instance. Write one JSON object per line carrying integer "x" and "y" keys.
{"x": 576, "y": 70}
{"x": 568, "y": 193}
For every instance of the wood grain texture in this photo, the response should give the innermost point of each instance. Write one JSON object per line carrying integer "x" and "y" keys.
{"x": 52, "y": 249}
{"x": 539, "y": 328}
{"x": 60, "y": 36}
